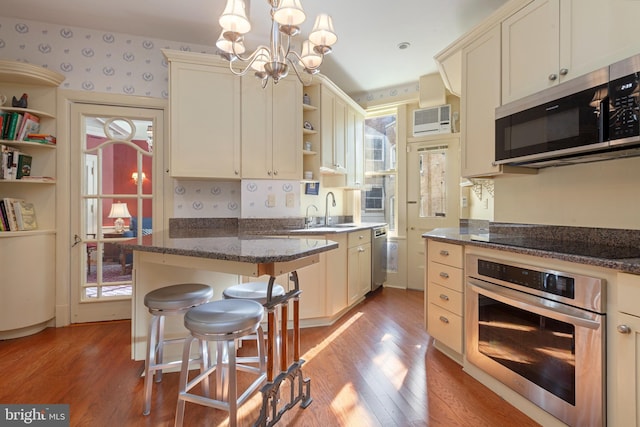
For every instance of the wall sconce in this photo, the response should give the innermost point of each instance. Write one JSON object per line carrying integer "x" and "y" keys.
{"x": 119, "y": 211}
{"x": 134, "y": 177}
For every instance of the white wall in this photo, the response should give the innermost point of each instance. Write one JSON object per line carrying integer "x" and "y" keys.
{"x": 603, "y": 194}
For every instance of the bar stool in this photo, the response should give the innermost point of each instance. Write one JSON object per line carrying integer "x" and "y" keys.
{"x": 257, "y": 291}
{"x": 168, "y": 301}
{"x": 223, "y": 322}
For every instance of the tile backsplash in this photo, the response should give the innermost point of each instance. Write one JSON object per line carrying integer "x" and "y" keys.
{"x": 236, "y": 199}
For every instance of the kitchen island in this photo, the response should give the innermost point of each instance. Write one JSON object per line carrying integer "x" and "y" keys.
{"x": 219, "y": 257}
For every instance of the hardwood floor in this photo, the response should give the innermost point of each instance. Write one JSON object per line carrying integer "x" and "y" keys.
{"x": 374, "y": 367}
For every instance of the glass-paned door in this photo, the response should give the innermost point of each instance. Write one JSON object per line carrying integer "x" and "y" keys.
{"x": 433, "y": 170}
{"x": 112, "y": 201}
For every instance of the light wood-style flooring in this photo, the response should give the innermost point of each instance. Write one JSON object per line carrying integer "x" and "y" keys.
{"x": 375, "y": 367}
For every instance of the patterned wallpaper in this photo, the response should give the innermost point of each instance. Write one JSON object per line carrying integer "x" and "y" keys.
{"x": 92, "y": 60}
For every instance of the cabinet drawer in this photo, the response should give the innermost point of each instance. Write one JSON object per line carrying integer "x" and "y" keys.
{"x": 445, "y": 275}
{"x": 629, "y": 293}
{"x": 446, "y": 298}
{"x": 445, "y": 253}
{"x": 445, "y": 327}
{"x": 359, "y": 238}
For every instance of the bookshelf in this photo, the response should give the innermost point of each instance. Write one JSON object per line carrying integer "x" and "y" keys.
{"x": 28, "y": 257}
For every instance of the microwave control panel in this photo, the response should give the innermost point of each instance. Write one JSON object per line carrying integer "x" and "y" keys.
{"x": 624, "y": 108}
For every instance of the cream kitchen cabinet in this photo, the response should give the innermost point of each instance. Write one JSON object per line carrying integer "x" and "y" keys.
{"x": 204, "y": 117}
{"x": 445, "y": 296}
{"x": 271, "y": 123}
{"x": 359, "y": 265}
{"x": 336, "y": 275}
{"x": 355, "y": 148}
{"x": 551, "y": 41}
{"x": 333, "y": 110}
{"x": 626, "y": 363}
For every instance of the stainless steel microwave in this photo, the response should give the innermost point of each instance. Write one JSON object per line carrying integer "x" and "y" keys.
{"x": 589, "y": 118}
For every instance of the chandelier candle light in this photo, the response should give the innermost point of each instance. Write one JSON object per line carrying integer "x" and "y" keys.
{"x": 271, "y": 61}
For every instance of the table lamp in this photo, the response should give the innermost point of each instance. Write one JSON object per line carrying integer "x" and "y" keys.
{"x": 119, "y": 211}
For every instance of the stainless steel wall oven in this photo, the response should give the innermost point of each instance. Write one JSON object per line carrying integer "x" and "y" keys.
{"x": 541, "y": 332}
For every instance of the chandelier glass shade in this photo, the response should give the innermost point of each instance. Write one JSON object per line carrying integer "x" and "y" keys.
{"x": 274, "y": 61}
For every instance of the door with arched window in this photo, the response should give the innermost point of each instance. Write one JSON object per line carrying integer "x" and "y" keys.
{"x": 111, "y": 201}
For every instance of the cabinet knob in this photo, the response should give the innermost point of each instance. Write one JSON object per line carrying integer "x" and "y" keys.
{"x": 444, "y": 253}
{"x": 360, "y": 249}
{"x": 624, "y": 329}
{"x": 564, "y": 71}
{"x": 236, "y": 172}
{"x": 269, "y": 173}
{"x": 444, "y": 275}
{"x": 553, "y": 77}
{"x": 275, "y": 173}
{"x": 444, "y": 319}
{"x": 444, "y": 297}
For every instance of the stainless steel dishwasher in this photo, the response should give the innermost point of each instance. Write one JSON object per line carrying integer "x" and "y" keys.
{"x": 378, "y": 256}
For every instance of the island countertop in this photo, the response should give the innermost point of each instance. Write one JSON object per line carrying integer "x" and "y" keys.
{"x": 230, "y": 246}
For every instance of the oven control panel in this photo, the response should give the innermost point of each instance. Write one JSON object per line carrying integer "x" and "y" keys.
{"x": 555, "y": 284}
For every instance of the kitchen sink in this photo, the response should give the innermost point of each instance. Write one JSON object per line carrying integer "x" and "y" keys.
{"x": 345, "y": 225}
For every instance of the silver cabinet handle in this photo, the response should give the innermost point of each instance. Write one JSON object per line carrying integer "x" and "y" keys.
{"x": 360, "y": 237}
{"x": 564, "y": 71}
{"x": 444, "y": 275}
{"x": 444, "y": 253}
{"x": 444, "y": 319}
{"x": 624, "y": 329}
{"x": 552, "y": 77}
{"x": 444, "y": 297}
{"x": 360, "y": 249}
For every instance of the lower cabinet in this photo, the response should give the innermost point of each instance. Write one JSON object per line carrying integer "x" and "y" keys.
{"x": 627, "y": 358}
{"x": 445, "y": 287}
{"x": 359, "y": 261}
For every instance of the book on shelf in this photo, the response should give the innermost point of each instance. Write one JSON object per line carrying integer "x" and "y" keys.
{"x": 14, "y": 125}
{"x": 8, "y": 164}
{"x": 25, "y": 215}
{"x": 23, "y": 165}
{"x": 42, "y": 138}
{"x": 5, "y": 123}
{"x": 10, "y": 213}
{"x": 3, "y": 217}
{"x": 30, "y": 124}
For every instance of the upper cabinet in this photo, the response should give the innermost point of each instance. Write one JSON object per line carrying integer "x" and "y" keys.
{"x": 355, "y": 148}
{"x": 333, "y": 110}
{"x": 271, "y": 123}
{"x": 204, "y": 110}
{"x": 551, "y": 41}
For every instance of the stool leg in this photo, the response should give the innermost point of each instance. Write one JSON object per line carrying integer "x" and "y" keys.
{"x": 160, "y": 357}
{"x": 221, "y": 368}
{"x": 182, "y": 382}
{"x": 204, "y": 365}
{"x": 232, "y": 396}
{"x": 149, "y": 363}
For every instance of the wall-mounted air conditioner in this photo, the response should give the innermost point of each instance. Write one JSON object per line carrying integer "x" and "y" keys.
{"x": 431, "y": 121}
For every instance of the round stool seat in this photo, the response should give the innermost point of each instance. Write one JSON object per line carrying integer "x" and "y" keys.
{"x": 224, "y": 317}
{"x": 256, "y": 291}
{"x": 176, "y": 297}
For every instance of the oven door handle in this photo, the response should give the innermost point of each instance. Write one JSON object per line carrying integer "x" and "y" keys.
{"x": 541, "y": 306}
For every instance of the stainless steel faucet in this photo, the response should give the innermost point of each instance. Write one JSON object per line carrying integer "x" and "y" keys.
{"x": 327, "y": 218}
{"x": 307, "y": 218}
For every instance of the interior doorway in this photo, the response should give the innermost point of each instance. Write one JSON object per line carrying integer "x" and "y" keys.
{"x": 111, "y": 199}
{"x": 433, "y": 194}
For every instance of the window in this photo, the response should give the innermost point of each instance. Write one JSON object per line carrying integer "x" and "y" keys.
{"x": 380, "y": 169}
{"x": 374, "y": 198}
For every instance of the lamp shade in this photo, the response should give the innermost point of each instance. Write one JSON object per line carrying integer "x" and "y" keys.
{"x": 310, "y": 59}
{"x": 119, "y": 210}
{"x": 234, "y": 18}
{"x": 289, "y": 13}
{"x": 229, "y": 46}
{"x": 323, "y": 33}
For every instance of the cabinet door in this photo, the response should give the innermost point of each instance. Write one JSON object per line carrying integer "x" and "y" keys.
{"x": 594, "y": 34}
{"x": 327, "y": 99}
{"x": 359, "y": 272}
{"x": 287, "y": 122}
{"x": 336, "y": 275}
{"x": 257, "y": 126}
{"x": 205, "y": 121}
{"x": 355, "y": 148}
{"x": 480, "y": 97}
{"x": 627, "y": 367}
{"x": 530, "y": 49}
{"x": 340, "y": 131}
{"x": 312, "y": 281}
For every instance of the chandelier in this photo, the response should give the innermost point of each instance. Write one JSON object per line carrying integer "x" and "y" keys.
{"x": 274, "y": 61}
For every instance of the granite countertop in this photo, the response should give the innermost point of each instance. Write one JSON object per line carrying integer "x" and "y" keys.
{"x": 337, "y": 228}
{"x": 230, "y": 245}
{"x": 609, "y": 248}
